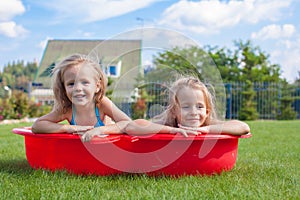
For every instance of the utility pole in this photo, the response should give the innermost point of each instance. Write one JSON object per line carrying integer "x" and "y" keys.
{"x": 141, "y": 20}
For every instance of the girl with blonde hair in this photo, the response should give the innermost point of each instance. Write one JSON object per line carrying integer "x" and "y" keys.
{"x": 79, "y": 87}
{"x": 191, "y": 110}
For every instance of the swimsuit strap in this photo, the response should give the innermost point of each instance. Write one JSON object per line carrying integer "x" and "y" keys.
{"x": 99, "y": 121}
{"x": 72, "y": 122}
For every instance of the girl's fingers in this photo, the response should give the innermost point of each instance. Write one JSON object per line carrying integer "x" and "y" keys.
{"x": 187, "y": 132}
{"x": 79, "y": 132}
{"x": 185, "y": 127}
{"x": 85, "y": 137}
{"x": 82, "y": 138}
{"x": 85, "y": 128}
{"x": 184, "y": 133}
{"x": 194, "y": 132}
{"x": 78, "y": 129}
{"x": 188, "y": 128}
{"x": 88, "y": 135}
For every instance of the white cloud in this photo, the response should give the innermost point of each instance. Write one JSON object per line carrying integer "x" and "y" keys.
{"x": 274, "y": 32}
{"x": 10, "y": 8}
{"x": 211, "y": 16}
{"x": 11, "y": 29}
{"x": 287, "y": 55}
{"x": 259, "y": 10}
{"x": 91, "y": 10}
{"x": 82, "y": 33}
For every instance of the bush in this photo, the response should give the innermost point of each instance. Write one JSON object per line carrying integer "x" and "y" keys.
{"x": 139, "y": 109}
{"x": 37, "y": 110}
{"x": 286, "y": 110}
{"x": 19, "y": 106}
{"x": 248, "y": 110}
{"x": 6, "y": 109}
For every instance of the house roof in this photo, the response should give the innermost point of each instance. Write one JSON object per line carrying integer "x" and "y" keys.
{"x": 129, "y": 51}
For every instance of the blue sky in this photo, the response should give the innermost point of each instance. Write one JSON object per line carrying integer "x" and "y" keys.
{"x": 273, "y": 25}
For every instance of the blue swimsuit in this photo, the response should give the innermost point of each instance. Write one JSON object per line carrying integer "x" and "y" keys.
{"x": 99, "y": 121}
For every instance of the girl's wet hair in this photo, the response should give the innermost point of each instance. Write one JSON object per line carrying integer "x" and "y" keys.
{"x": 168, "y": 117}
{"x": 62, "y": 102}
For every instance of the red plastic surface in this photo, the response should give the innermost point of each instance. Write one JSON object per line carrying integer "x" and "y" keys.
{"x": 157, "y": 154}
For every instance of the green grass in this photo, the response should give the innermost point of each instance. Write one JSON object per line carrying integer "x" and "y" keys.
{"x": 268, "y": 167}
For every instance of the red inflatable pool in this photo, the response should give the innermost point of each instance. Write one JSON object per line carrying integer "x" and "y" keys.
{"x": 158, "y": 154}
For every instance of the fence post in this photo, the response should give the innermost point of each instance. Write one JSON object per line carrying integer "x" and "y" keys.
{"x": 279, "y": 99}
{"x": 228, "y": 100}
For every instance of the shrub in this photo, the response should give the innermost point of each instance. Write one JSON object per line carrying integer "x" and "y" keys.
{"x": 19, "y": 106}
{"x": 248, "y": 110}
{"x": 286, "y": 110}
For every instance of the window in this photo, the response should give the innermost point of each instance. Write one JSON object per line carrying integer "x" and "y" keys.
{"x": 114, "y": 70}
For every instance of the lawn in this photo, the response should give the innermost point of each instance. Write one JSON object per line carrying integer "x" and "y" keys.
{"x": 268, "y": 167}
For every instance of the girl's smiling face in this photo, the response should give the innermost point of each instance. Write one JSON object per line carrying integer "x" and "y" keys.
{"x": 191, "y": 109}
{"x": 80, "y": 84}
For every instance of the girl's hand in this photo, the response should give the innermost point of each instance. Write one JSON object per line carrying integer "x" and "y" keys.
{"x": 88, "y": 135}
{"x": 183, "y": 132}
{"x": 75, "y": 129}
{"x": 199, "y": 130}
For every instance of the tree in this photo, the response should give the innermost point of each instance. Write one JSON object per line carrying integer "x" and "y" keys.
{"x": 248, "y": 109}
{"x": 188, "y": 61}
{"x": 246, "y": 63}
{"x": 286, "y": 111}
{"x": 226, "y": 62}
{"x": 254, "y": 64}
{"x": 191, "y": 61}
{"x": 17, "y": 75}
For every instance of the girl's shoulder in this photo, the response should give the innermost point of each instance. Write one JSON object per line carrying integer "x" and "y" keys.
{"x": 105, "y": 99}
{"x": 57, "y": 116}
{"x": 63, "y": 115}
{"x": 105, "y": 103}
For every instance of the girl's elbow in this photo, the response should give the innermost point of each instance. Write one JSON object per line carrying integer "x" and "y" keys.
{"x": 135, "y": 126}
{"x": 34, "y": 128}
{"x": 245, "y": 128}
{"x": 38, "y": 126}
{"x": 242, "y": 128}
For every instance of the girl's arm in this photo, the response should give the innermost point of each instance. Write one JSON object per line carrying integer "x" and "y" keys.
{"x": 233, "y": 127}
{"x": 49, "y": 123}
{"x": 111, "y": 110}
{"x": 145, "y": 127}
{"x": 136, "y": 127}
